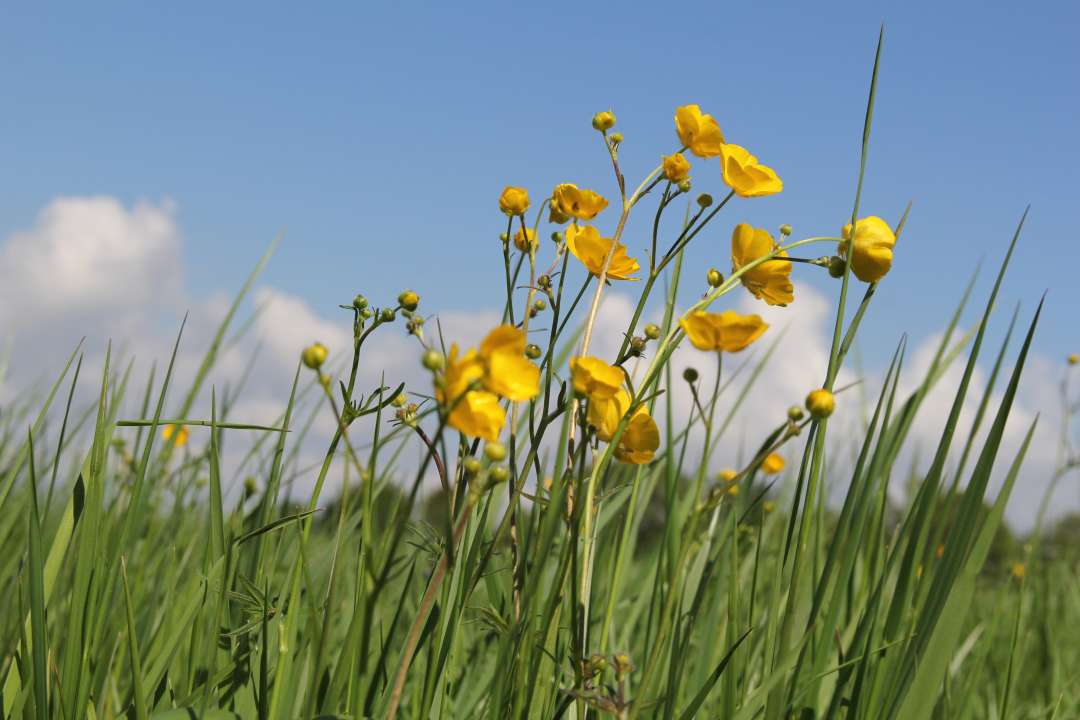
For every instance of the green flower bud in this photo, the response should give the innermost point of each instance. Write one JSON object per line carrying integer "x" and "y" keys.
{"x": 686, "y": 185}
{"x": 314, "y": 356}
{"x": 387, "y": 315}
{"x": 471, "y": 465}
{"x": 495, "y": 451}
{"x": 714, "y": 278}
{"x": 652, "y": 331}
{"x": 637, "y": 345}
{"x": 498, "y": 474}
{"x": 690, "y": 375}
{"x": 540, "y": 304}
{"x": 795, "y": 413}
{"x": 399, "y": 400}
{"x": 433, "y": 360}
{"x": 359, "y": 302}
{"x": 532, "y": 351}
{"x": 785, "y": 229}
{"x": 704, "y": 200}
{"x": 836, "y": 266}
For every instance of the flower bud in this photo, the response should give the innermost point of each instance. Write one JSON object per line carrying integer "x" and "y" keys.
{"x": 543, "y": 282}
{"x": 498, "y": 474}
{"x": 727, "y": 475}
{"x": 408, "y": 300}
{"x": 399, "y": 400}
{"x": 471, "y": 465}
{"x": 637, "y": 345}
{"x": 690, "y": 375}
{"x": 704, "y": 200}
{"x": 359, "y": 302}
{"x": 314, "y": 356}
{"x": 1073, "y": 359}
{"x": 623, "y": 665}
{"x": 785, "y": 229}
{"x": 495, "y": 451}
{"x": 504, "y": 238}
{"x": 652, "y": 331}
{"x": 603, "y": 121}
{"x": 366, "y": 313}
{"x": 249, "y": 486}
{"x": 714, "y": 277}
{"x": 540, "y": 304}
{"x": 836, "y": 266}
{"x": 514, "y": 200}
{"x": 532, "y": 351}
{"x": 433, "y": 360}
{"x": 795, "y": 413}
{"x": 556, "y": 237}
{"x": 820, "y": 403}
{"x": 616, "y": 138}
{"x": 387, "y": 315}
{"x": 686, "y": 185}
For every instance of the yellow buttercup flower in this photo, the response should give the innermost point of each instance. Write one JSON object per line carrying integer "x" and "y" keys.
{"x": 771, "y": 280}
{"x": 593, "y": 377}
{"x": 698, "y": 131}
{"x": 506, "y": 369}
{"x": 478, "y": 414}
{"x": 727, "y": 475}
{"x": 873, "y": 254}
{"x": 640, "y": 439}
{"x": 499, "y": 368}
{"x": 727, "y": 331}
{"x": 745, "y": 175}
{"x": 525, "y": 240}
{"x": 587, "y": 246}
{"x": 605, "y": 414}
{"x": 1073, "y": 359}
{"x": 514, "y": 200}
{"x": 179, "y": 431}
{"x": 1019, "y": 571}
{"x": 676, "y": 167}
{"x": 569, "y": 199}
{"x": 772, "y": 464}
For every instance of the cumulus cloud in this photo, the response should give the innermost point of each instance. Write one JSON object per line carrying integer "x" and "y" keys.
{"x": 95, "y": 267}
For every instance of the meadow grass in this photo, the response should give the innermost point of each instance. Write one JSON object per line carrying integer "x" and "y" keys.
{"x": 566, "y": 571}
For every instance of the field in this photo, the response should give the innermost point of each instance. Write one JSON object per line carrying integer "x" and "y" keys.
{"x": 580, "y": 556}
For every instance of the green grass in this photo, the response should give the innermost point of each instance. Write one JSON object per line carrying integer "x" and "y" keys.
{"x": 146, "y": 580}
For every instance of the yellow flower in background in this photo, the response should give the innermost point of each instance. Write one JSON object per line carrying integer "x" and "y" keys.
{"x": 593, "y": 377}
{"x": 1019, "y": 571}
{"x": 676, "y": 167}
{"x": 569, "y": 199}
{"x": 727, "y": 475}
{"x": 506, "y": 369}
{"x": 525, "y": 240}
{"x": 698, "y": 131}
{"x": 768, "y": 506}
{"x": 772, "y": 464}
{"x": 179, "y": 431}
{"x": 640, "y": 439}
{"x": 514, "y": 200}
{"x": 873, "y": 254}
{"x": 771, "y": 280}
{"x": 745, "y": 175}
{"x": 727, "y": 331}
{"x": 587, "y": 246}
{"x": 1073, "y": 359}
{"x": 478, "y": 414}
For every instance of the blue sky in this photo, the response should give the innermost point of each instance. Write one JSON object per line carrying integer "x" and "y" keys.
{"x": 380, "y": 136}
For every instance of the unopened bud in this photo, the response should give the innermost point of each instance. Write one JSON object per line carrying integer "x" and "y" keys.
{"x": 387, "y": 315}
{"x": 532, "y": 351}
{"x": 652, "y": 331}
{"x": 498, "y": 474}
{"x": 686, "y": 185}
{"x": 795, "y": 413}
{"x": 836, "y": 266}
{"x": 408, "y": 300}
{"x": 690, "y": 375}
{"x": 359, "y": 302}
{"x": 637, "y": 345}
{"x": 821, "y": 403}
{"x": 433, "y": 360}
{"x": 616, "y": 138}
{"x": 495, "y": 451}
{"x": 704, "y": 200}
{"x": 714, "y": 278}
{"x": 471, "y": 465}
{"x": 785, "y": 229}
{"x": 603, "y": 121}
